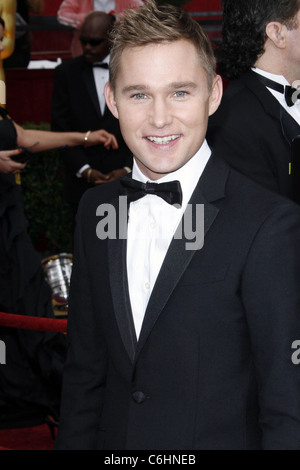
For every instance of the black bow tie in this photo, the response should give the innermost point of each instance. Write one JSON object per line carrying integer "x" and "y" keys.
{"x": 133, "y": 190}
{"x": 102, "y": 65}
{"x": 290, "y": 93}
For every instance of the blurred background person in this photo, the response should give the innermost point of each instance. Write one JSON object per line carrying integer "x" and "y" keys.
{"x": 30, "y": 382}
{"x": 78, "y": 101}
{"x": 73, "y": 13}
{"x": 258, "y": 119}
{"x": 23, "y": 37}
{"x": 8, "y": 15}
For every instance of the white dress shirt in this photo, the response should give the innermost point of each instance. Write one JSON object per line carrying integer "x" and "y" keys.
{"x": 104, "y": 5}
{"x": 294, "y": 111}
{"x": 151, "y": 226}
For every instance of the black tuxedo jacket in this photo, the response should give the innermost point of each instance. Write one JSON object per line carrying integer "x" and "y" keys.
{"x": 212, "y": 368}
{"x": 254, "y": 133}
{"x": 75, "y": 107}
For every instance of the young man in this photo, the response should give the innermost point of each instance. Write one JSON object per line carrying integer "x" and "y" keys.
{"x": 175, "y": 345}
{"x": 257, "y": 121}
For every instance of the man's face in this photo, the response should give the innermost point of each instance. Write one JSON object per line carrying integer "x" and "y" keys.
{"x": 162, "y": 101}
{"x": 95, "y": 44}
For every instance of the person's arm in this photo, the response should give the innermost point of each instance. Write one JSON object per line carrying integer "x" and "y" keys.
{"x": 97, "y": 177}
{"x": 37, "y": 140}
{"x": 8, "y": 14}
{"x": 70, "y": 13}
{"x": 7, "y": 165}
{"x": 270, "y": 292}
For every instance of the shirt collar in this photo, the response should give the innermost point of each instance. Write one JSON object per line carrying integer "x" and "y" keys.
{"x": 272, "y": 76}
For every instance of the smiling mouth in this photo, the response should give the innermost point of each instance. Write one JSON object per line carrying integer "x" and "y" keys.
{"x": 163, "y": 140}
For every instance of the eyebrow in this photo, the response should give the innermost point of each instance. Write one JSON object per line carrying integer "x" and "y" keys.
{"x": 130, "y": 88}
{"x": 180, "y": 85}
{"x": 171, "y": 86}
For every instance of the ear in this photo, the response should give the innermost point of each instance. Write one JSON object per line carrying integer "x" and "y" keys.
{"x": 276, "y": 32}
{"x": 110, "y": 100}
{"x": 216, "y": 95}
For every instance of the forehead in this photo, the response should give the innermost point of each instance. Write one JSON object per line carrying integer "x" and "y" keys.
{"x": 95, "y": 28}
{"x": 161, "y": 62}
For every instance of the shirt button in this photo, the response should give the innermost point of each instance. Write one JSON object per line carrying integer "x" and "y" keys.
{"x": 153, "y": 225}
{"x": 139, "y": 397}
{"x": 147, "y": 286}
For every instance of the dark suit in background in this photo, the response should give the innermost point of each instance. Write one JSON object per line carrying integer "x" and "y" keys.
{"x": 254, "y": 133}
{"x": 75, "y": 107}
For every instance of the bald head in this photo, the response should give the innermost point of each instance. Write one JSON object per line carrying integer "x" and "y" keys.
{"x": 99, "y": 22}
{"x": 94, "y": 35}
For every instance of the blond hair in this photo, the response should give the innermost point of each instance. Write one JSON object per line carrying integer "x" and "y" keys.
{"x": 150, "y": 24}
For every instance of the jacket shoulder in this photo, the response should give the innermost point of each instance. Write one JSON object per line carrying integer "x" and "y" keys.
{"x": 102, "y": 194}
{"x": 70, "y": 64}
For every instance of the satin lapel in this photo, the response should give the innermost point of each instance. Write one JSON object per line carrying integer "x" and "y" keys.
{"x": 178, "y": 257}
{"x": 119, "y": 282}
{"x": 290, "y": 128}
{"x": 267, "y": 100}
{"x": 89, "y": 81}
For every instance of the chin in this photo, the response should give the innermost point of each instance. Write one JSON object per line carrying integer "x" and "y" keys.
{"x": 160, "y": 173}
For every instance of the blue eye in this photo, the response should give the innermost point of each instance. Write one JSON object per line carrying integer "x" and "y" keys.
{"x": 180, "y": 94}
{"x": 139, "y": 96}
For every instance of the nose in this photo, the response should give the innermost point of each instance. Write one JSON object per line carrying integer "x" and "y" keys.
{"x": 160, "y": 113}
{"x": 87, "y": 48}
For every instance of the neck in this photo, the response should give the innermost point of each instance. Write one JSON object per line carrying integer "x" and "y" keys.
{"x": 274, "y": 62}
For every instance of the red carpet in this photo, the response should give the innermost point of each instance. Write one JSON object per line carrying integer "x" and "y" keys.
{"x": 33, "y": 438}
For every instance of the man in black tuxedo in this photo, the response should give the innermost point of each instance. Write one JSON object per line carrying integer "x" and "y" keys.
{"x": 78, "y": 103}
{"x": 176, "y": 345}
{"x": 259, "y": 116}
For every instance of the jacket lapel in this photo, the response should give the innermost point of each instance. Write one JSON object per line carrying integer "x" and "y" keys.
{"x": 267, "y": 100}
{"x": 290, "y": 128}
{"x": 119, "y": 282}
{"x": 88, "y": 78}
{"x": 211, "y": 187}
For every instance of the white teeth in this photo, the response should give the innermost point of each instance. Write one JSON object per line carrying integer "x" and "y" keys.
{"x": 163, "y": 140}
